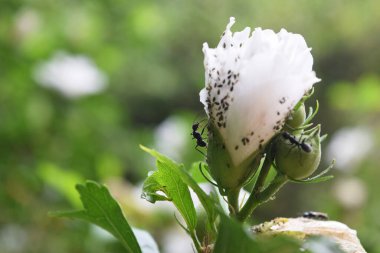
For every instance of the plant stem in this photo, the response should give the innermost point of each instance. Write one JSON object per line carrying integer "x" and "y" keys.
{"x": 250, "y": 204}
{"x": 258, "y": 198}
{"x": 233, "y": 201}
{"x": 196, "y": 242}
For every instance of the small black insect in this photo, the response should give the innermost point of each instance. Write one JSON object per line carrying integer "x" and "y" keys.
{"x": 301, "y": 144}
{"x": 198, "y": 136}
{"x": 315, "y": 215}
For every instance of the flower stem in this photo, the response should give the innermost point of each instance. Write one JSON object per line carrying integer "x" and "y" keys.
{"x": 196, "y": 242}
{"x": 259, "y": 198}
{"x": 250, "y": 205}
{"x": 233, "y": 201}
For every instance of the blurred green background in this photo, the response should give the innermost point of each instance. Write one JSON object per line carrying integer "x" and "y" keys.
{"x": 83, "y": 83}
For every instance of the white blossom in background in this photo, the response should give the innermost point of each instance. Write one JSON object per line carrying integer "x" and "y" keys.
{"x": 13, "y": 238}
{"x": 351, "y": 193}
{"x": 72, "y": 75}
{"x": 144, "y": 206}
{"x": 27, "y": 22}
{"x": 349, "y": 146}
{"x": 207, "y": 188}
{"x": 130, "y": 195}
{"x": 243, "y": 196}
{"x": 252, "y": 83}
{"x": 171, "y": 137}
{"x": 144, "y": 239}
{"x": 176, "y": 240}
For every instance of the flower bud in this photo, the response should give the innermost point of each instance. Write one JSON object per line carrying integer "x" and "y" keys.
{"x": 296, "y": 119}
{"x": 298, "y": 156}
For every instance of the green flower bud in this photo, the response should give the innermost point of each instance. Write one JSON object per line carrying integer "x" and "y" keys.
{"x": 296, "y": 119}
{"x": 222, "y": 169}
{"x": 298, "y": 156}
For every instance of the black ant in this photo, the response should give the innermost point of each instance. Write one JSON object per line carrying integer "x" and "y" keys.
{"x": 292, "y": 139}
{"x": 198, "y": 136}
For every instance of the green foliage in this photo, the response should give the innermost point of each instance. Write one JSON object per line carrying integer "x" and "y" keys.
{"x": 50, "y": 172}
{"x": 167, "y": 179}
{"x": 101, "y": 209}
{"x": 209, "y": 204}
{"x": 196, "y": 173}
{"x": 363, "y": 95}
{"x": 171, "y": 179}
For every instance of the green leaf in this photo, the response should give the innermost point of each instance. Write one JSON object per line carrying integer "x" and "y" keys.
{"x": 318, "y": 178}
{"x": 208, "y": 203}
{"x": 233, "y": 237}
{"x": 50, "y": 172}
{"x": 312, "y": 180}
{"x": 101, "y": 209}
{"x": 196, "y": 174}
{"x": 146, "y": 241}
{"x": 167, "y": 180}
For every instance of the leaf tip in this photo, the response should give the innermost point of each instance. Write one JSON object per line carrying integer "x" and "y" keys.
{"x": 144, "y": 148}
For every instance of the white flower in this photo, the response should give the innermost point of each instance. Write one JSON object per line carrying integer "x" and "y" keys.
{"x": 252, "y": 84}
{"x": 349, "y": 146}
{"x": 171, "y": 136}
{"x": 72, "y": 75}
{"x": 351, "y": 193}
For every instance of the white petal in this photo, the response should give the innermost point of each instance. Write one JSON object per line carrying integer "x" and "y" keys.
{"x": 203, "y": 98}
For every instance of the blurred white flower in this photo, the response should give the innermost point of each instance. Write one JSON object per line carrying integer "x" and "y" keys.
{"x": 101, "y": 234}
{"x": 349, "y": 146}
{"x": 27, "y": 22}
{"x": 207, "y": 188}
{"x": 351, "y": 193}
{"x": 243, "y": 197}
{"x": 148, "y": 208}
{"x": 13, "y": 238}
{"x": 176, "y": 240}
{"x": 130, "y": 195}
{"x": 252, "y": 83}
{"x": 71, "y": 75}
{"x": 171, "y": 137}
{"x": 144, "y": 239}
